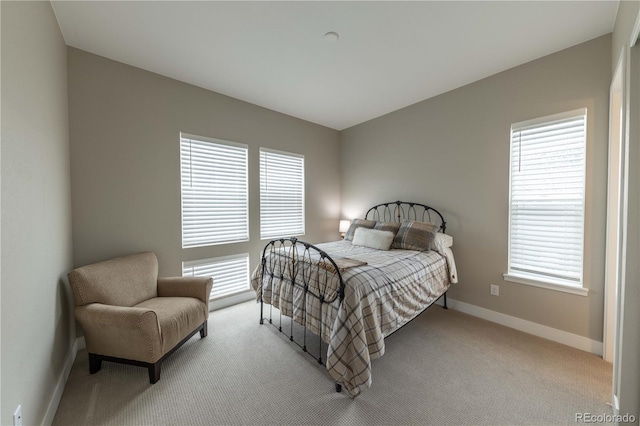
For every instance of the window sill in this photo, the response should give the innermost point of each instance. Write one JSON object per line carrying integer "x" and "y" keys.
{"x": 282, "y": 238}
{"x": 550, "y": 285}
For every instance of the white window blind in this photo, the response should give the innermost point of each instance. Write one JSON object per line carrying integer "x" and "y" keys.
{"x": 230, "y": 273}
{"x": 215, "y": 199}
{"x": 281, "y": 194}
{"x": 546, "y": 226}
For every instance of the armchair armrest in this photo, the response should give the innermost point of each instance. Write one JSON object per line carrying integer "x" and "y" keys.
{"x": 119, "y": 331}
{"x": 197, "y": 287}
{"x": 117, "y": 316}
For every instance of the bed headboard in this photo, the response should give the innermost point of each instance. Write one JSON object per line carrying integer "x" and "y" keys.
{"x": 397, "y": 211}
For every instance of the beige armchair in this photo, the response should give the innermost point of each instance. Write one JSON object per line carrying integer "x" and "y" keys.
{"x": 129, "y": 315}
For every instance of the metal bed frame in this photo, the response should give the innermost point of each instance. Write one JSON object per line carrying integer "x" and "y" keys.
{"x": 299, "y": 258}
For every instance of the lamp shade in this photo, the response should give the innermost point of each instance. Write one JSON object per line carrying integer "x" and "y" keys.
{"x": 344, "y": 225}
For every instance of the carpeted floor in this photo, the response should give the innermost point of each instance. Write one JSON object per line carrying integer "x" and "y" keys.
{"x": 443, "y": 368}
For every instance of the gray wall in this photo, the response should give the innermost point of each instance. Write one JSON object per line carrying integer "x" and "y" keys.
{"x": 125, "y": 161}
{"x": 37, "y": 331}
{"x": 452, "y": 152}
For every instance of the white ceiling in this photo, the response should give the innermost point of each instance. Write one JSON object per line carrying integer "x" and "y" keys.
{"x": 273, "y": 54}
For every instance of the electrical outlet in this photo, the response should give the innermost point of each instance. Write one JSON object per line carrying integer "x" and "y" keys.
{"x": 17, "y": 416}
{"x": 495, "y": 290}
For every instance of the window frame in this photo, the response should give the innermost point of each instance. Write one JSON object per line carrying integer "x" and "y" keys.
{"x": 539, "y": 280}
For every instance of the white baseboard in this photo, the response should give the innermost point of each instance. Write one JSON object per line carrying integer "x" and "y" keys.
{"x": 62, "y": 381}
{"x": 549, "y": 333}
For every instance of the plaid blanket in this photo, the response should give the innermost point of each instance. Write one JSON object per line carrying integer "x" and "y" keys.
{"x": 382, "y": 295}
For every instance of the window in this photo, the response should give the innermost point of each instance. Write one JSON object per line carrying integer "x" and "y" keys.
{"x": 281, "y": 194}
{"x": 546, "y": 203}
{"x": 215, "y": 199}
{"x": 230, "y": 273}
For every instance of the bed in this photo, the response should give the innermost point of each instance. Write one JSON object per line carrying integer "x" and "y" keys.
{"x": 351, "y": 296}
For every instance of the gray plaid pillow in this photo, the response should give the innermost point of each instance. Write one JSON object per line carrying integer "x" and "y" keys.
{"x": 358, "y": 223}
{"x": 388, "y": 226}
{"x": 415, "y": 236}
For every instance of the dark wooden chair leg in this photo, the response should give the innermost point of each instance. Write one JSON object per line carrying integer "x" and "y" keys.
{"x": 95, "y": 363}
{"x": 203, "y": 330}
{"x": 154, "y": 372}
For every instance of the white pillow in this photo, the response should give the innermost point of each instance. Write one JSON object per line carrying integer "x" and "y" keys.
{"x": 441, "y": 242}
{"x": 372, "y": 238}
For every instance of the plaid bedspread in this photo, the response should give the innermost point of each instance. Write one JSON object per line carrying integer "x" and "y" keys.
{"x": 380, "y": 296}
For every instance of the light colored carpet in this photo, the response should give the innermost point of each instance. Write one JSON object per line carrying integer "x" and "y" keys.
{"x": 443, "y": 368}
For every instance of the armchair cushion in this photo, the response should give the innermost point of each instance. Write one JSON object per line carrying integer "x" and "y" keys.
{"x": 177, "y": 316}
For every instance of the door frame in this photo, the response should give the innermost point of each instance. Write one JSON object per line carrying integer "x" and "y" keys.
{"x": 614, "y": 209}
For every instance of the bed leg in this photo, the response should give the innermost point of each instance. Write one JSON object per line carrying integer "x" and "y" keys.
{"x": 338, "y": 387}
{"x": 445, "y": 301}
{"x": 261, "y": 312}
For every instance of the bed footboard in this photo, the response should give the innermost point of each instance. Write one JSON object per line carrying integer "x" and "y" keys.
{"x": 311, "y": 276}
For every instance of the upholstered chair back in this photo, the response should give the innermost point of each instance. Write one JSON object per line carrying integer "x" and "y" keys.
{"x": 123, "y": 281}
